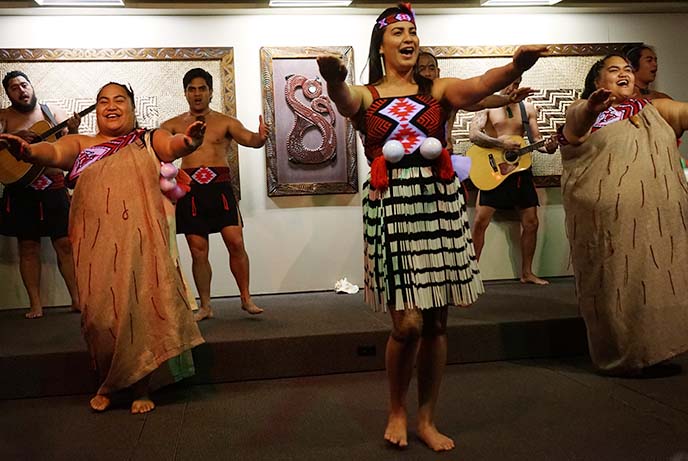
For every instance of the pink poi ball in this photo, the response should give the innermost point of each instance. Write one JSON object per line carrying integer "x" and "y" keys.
{"x": 168, "y": 170}
{"x": 167, "y": 185}
{"x": 393, "y": 151}
{"x": 431, "y": 148}
{"x": 176, "y": 193}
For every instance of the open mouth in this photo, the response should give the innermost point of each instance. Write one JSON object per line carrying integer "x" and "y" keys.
{"x": 623, "y": 82}
{"x": 408, "y": 51}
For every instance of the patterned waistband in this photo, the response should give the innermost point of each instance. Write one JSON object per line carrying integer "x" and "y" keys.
{"x": 48, "y": 181}
{"x": 209, "y": 174}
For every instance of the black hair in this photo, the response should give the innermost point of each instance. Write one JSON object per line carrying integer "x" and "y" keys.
{"x": 130, "y": 92}
{"x": 428, "y": 53}
{"x": 13, "y": 74}
{"x": 633, "y": 53}
{"x": 195, "y": 73}
{"x": 594, "y": 73}
{"x": 375, "y": 64}
{"x": 126, "y": 88}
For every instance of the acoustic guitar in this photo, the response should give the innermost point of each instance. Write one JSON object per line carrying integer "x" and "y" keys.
{"x": 19, "y": 173}
{"x": 491, "y": 166}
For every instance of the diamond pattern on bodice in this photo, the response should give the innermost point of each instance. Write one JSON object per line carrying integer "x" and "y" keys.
{"x": 403, "y": 111}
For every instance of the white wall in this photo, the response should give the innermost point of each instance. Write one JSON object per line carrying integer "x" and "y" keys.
{"x": 307, "y": 243}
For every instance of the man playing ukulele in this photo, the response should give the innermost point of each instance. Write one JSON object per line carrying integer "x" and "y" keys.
{"x": 42, "y": 207}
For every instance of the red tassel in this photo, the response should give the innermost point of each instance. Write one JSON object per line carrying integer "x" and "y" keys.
{"x": 378, "y": 173}
{"x": 183, "y": 180}
{"x": 225, "y": 204}
{"x": 193, "y": 206}
{"x": 443, "y": 166}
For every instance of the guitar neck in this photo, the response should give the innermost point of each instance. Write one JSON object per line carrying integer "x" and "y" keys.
{"x": 530, "y": 148}
{"x": 61, "y": 126}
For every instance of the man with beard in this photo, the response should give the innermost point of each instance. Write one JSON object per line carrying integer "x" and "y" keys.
{"x": 210, "y": 206}
{"x": 42, "y": 207}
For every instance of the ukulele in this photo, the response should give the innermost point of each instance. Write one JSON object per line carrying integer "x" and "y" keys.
{"x": 491, "y": 166}
{"x": 20, "y": 173}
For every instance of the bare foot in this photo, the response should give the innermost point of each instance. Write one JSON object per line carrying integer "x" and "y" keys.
{"x": 534, "y": 279}
{"x": 100, "y": 403}
{"x": 395, "y": 432}
{"x": 142, "y": 405}
{"x": 251, "y": 308}
{"x": 434, "y": 439}
{"x": 36, "y": 313}
{"x": 203, "y": 313}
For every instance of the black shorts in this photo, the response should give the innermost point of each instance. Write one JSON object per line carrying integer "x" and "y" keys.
{"x": 30, "y": 214}
{"x": 207, "y": 209}
{"x": 517, "y": 191}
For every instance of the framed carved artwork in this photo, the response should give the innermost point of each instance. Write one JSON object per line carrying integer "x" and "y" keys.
{"x": 558, "y": 78}
{"x": 311, "y": 149}
{"x": 71, "y": 78}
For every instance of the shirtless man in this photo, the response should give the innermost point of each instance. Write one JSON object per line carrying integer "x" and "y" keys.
{"x": 210, "y": 207}
{"x": 492, "y": 128}
{"x": 428, "y": 67}
{"x": 41, "y": 208}
{"x": 644, "y": 62}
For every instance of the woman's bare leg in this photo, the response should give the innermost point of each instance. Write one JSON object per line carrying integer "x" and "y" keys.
{"x": 400, "y": 356}
{"x": 432, "y": 359}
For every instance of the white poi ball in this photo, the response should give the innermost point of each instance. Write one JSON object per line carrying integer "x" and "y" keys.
{"x": 431, "y": 148}
{"x": 167, "y": 185}
{"x": 393, "y": 151}
{"x": 168, "y": 170}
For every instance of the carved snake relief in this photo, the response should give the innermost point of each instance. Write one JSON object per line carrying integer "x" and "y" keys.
{"x": 318, "y": 115}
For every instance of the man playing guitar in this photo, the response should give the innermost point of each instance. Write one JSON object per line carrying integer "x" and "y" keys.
{"x": 40, "y": 208}
{"x": 495, "y": 128}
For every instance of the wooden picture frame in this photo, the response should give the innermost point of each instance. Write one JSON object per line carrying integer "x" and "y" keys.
{"x": 311, "y": 149}
{"x": 558, "y": 78}
{"x": 71, "y": 77}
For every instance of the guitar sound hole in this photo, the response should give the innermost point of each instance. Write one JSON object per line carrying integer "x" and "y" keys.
{"x": 511, "y": 156}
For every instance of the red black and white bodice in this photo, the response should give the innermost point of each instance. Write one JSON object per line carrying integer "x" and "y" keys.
{"x": 408, "y": 119}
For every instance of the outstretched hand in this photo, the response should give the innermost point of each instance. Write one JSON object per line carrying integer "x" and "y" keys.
{"x": 19, "y": 148}
{"x": 332, "y": 68}
{"x": 526, "y": 56}
{"x": 28, "y": 136}
{"x": 600, "y": 100}
{"x": 520, "y": 94}
{"x": 194, "y": 134}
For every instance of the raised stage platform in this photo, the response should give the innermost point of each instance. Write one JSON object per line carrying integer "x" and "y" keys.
{"x": 301, "y": 335}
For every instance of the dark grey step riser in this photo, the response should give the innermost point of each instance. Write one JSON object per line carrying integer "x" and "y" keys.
{"x": 68, "y": 373}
